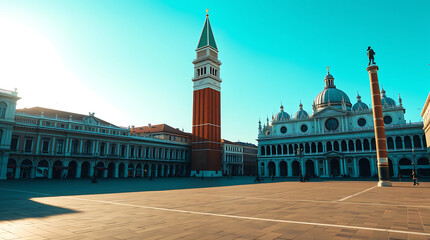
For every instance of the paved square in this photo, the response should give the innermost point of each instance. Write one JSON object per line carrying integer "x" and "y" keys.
{"x": 190, "y": 208}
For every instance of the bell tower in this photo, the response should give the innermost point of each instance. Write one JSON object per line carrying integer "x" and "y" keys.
{"x": 206, "y": 157}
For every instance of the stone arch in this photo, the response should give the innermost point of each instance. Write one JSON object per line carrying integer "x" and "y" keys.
{"x": 334, "y": 167}
{"x": 391, "y": 168}
{"x": 364, "y": 167}
{"x": 72, "y": 169}
{"x": 130, "y": 170}
{"x": 310, "y": 168}
{"x": 85, "y": 169}
{"x": 26, "y": 169}
{"x": 273, "y": 150}
{"x": 285, "y": 149}
{"x": 307, "y": 148}
{"x": 295, "y": 165}
{"x": 111, "y": 170}
{"x": 138, "y": 170}
{"x": 100, "y": 169}
{"x": 405, "y": 166}
{"x": 272, "y": 169}
{"x": 290, "y": 149}
{"x": 57, "y": 170}
{"x": 283, "y": 169}
{"x": 121, "y": 170}
{"x": 268, "y": 150}
{"x": 42, "y": 169}
{"x": 279, "y": 151}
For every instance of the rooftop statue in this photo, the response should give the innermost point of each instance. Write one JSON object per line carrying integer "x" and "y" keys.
{"x": 371, "y": 55}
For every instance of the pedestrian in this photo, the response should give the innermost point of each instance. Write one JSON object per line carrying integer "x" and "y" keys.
{"x": 400, "y": 177}
{"x": 415, "y": 178}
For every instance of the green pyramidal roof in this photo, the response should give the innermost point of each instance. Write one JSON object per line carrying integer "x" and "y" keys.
{"x": 207, "y": 38}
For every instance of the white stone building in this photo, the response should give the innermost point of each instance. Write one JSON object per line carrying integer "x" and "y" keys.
{"x": 337, "y": 139}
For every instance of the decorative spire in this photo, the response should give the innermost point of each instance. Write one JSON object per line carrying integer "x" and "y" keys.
{"x": 301, "y": 105}
{"x": 259, "y": 125}
{"x": 329, "y": 79}
{"x": 358, "y": 97}
{"x": 267, "y": 120}
{"x": 207, "y": 38}
{"x": 328, "y": 70}
{"x": 382, "y": 92}
{"x": 282, "y": 107}
{"x": 400, "y": 101}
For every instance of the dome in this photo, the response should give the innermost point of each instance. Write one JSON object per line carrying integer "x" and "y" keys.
{"x": 301, "y": 113}
{"x": 359, "y": 106}
{"x": 386, "y": 101}
{"x": 281, "y": 116}
{"x": 331, "y": 96}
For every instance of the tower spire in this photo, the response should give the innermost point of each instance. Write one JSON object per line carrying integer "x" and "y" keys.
{"x": 207, "y": 37}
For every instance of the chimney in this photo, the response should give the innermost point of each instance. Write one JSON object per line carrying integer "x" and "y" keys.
{"x": 149, "y": 125}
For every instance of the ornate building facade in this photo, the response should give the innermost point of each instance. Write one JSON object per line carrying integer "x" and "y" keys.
{"x": 47, "y": 143}
{"x": 338, "y": 139}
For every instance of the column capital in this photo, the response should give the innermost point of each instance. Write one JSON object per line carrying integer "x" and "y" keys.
{"x": 372, "y": 68}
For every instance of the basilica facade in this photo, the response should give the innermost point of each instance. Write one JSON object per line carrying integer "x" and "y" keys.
{"x": 337, "y": 139}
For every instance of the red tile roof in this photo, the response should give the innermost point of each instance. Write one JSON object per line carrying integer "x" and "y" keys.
{"x": 159, "y": 128}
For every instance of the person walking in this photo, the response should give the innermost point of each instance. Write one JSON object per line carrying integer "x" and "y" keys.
{"x": 400, "y": 177}
{"x": 415, "y": 178}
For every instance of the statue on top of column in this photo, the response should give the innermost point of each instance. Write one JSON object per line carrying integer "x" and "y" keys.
{"x": 371, "y": 55}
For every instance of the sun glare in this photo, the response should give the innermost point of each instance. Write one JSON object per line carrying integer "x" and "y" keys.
{"x": 30, "y": 63}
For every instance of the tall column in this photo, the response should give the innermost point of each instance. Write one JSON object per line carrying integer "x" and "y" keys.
{"x": 326, "y": 168}
{"x": 79, "y": 170}
{"x": 341, "y": 160}
{"x": 302, "y": 166}
{"x": 381, "y": 142}
{"x": 278, "y": 169}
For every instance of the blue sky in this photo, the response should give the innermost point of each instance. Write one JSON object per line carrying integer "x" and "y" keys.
{"x": 130, "y": 62}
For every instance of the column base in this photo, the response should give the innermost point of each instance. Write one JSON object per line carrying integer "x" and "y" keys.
{"x": 206, "y": 173}
{"x": 386, "y": 183}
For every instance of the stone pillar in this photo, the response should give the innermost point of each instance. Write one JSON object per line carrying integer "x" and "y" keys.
{"x": 381, "y": 142}
{"x": 317, "y": 167}
{"x": 18, "y": 172}
{"x": 278, "y": 169}
{"x": 116, "y": 171}
{"x": 356, "y": 167}
{"x": 50, "y": 168}
{"x": 79, "y": 170}
{"x": 303, "y": 167}
{"x": 125, "y": 169}
{"x": 341, "y": 164}
{"x": 326, "y": 168}
{"x": 290, "y": 169}
{"x": 92, "y": 165}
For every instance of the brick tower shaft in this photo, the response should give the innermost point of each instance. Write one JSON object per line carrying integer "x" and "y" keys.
{"x": 378, "y": 119}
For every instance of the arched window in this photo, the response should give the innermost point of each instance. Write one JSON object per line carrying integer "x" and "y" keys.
{"x": 313, "y": 147}
{"x": 290, "y": 149}
{"x": 3, "y": 107}
{"x": 343, "y": 146}
{"x": 358, "y": 145}
{"x": 320, "y": 147}
{"x": 336, "y": 146}
{"x": 1, "y": 135}
{"x": 417, "y": 141}
{"x": 204, "y": 70}
{"x": 273, "y": 150}
{"x": 307, "y": 148}
{"x": 328, "y": 146}
{"x": 268, "y": 150}
{"x": 198, "y": 72}
{"x": 351, "y": 145}
{"x": 279, "y": 150}
{"x": 373, "y": 144}
{"x": 366, "y": 145}
{"x": 284, "y": 147}
{"x": 408, "y": 143}
{"x": 399, "y": 143}
{"x": 390, "y": 143}
{"x": 424, "y": 140}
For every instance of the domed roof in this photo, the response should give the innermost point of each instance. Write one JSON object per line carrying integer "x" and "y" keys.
{"x": 301, "y": 113}
{"x": 331, "y": 96}
{"x": 281, "y": 116}
{"x": 387, "y": 102}
{"x": 359, "y": 106}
